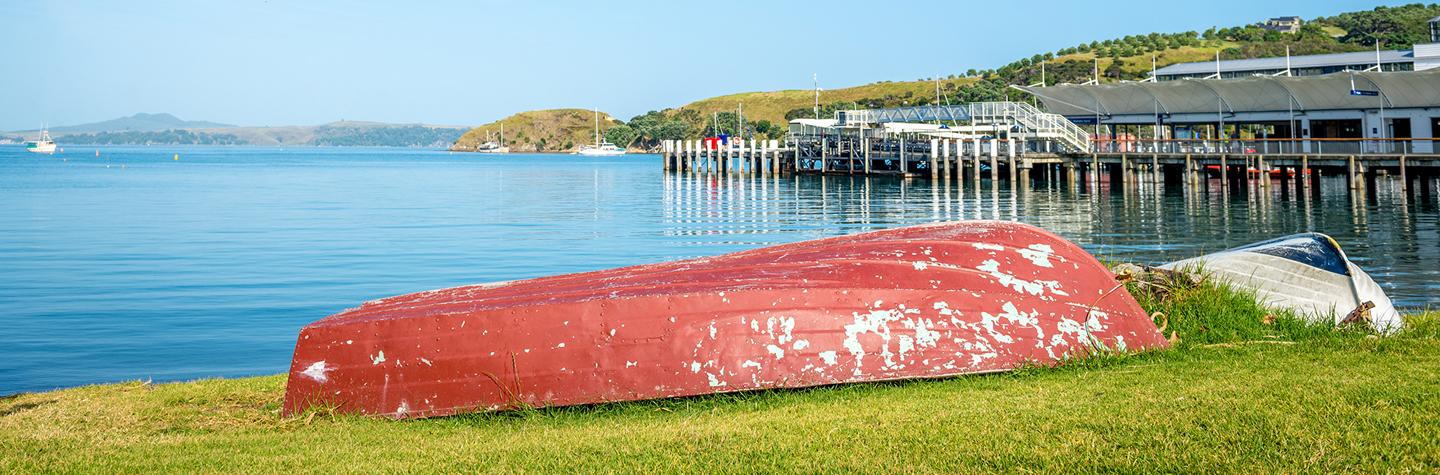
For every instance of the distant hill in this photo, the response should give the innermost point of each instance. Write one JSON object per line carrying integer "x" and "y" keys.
{"x": 551, "y": 130}
{"x": 334, "y": 134}
{"x": 141, "y": 122}
{"x": 166, "y": 129}
{"x": 346, "y": 133}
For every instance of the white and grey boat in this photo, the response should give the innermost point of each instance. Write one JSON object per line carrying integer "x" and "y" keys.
{"x": 1306, "y": 273}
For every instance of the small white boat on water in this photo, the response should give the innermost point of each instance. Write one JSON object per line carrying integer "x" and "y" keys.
{"x": 42, "y": 145}
{"x": 494, "y": 147}
{"x": 1306, "y": 273}
{"x": 602, "y": 148}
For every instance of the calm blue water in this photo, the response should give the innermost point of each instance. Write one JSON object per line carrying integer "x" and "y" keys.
{"x": 133, "y": 265}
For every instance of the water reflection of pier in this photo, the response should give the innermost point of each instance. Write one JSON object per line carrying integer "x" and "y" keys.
{"x": 1144, "y": 220}
{"x": 953, "y": 162}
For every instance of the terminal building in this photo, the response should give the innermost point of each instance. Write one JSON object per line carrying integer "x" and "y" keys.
{"x": 1401, "y": 105}
{"x": 1389, "y": 98}
{"x": 1322, "y": 110}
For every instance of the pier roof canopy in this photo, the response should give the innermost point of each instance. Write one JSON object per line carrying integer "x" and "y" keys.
{"x": 1253, "y": 94}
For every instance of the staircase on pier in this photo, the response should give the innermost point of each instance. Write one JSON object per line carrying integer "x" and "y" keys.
{"x": 1021, "y": 119}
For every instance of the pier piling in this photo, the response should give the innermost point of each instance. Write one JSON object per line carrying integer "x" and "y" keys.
{"x": 934, "y": 159}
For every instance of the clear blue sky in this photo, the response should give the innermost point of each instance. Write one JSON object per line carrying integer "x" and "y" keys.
{"x": 286, "y": 62}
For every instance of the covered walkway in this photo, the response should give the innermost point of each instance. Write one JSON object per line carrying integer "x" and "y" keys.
{"x": 1382, "y": 111}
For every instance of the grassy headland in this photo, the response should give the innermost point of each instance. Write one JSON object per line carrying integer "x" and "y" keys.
{"x": 1243, "y": 389}
{"x": 551, "y": 130}
{"x": 773, "y": 105}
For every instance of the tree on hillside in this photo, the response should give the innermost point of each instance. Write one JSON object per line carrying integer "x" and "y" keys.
{"x": 1395, "y": 27}
{"x": 652, "y": 127}
{"x": 1116, "y": 69}
{"x": 621, "y": 135}
{"x": 766, "y": 128}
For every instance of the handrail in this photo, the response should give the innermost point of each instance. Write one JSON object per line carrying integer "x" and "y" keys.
{"x": 1269, "y": 146}
{"x": 1025, "y": 115}
{"x": 1035, "y": 120}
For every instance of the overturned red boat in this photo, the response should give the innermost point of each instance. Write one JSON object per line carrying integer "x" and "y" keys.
{"x": 918, "y": 302}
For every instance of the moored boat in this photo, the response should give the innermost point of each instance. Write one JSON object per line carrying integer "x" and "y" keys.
{"x": 602, "y": 148}
{"x": 491, "y": 146}
{"x": 918, "y": 302}
{"x": 1307, "y": 273}
{"x": 42, "y": 145}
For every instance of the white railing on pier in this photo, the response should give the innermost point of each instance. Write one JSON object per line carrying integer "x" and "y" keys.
{"x": 1268, "y": 146}
{"x": 1034, "y": 122}
{"x": 916, "y": 114}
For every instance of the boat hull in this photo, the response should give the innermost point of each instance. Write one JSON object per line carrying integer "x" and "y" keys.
{"x": 920, "y": 302}
{"x": 601, "y": 153}
{"x": 1307, "y": 273}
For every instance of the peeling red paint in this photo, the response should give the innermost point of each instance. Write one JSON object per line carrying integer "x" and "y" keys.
{"x": 918, "y": 302}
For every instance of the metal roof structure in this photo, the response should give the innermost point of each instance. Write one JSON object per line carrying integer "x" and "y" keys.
{"x": 1296, "y": 62}
{"x": 1399, "y": 89}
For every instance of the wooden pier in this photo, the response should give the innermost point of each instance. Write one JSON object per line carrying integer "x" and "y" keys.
{"x": 909, "y": 158}
{"x": 1017, "y": 162}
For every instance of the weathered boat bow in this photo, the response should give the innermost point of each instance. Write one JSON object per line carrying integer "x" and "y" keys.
{"x": 919, "y": 302}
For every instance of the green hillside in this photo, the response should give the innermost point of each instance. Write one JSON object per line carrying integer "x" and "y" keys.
{"x": 552, "y": 130}
{"x": 775, "y": 105}
{"x": 1127, "y": 58}
{"x": 1119, "y": 59}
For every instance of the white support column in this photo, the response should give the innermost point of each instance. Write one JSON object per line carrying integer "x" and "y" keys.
{"x": 728, "y": 166}
{"x": 945, "y": 147}
{"x": 1010, "y": 153}
{"x": 865, "y": 142}
{"x": 764, "y": 162}
{"x": 934, "y": 159}
{"x": 775, "y": 156}
{"x": 754, "y": 161}
{"x": 740, "y": 156}
{"x": 904, "y": 167}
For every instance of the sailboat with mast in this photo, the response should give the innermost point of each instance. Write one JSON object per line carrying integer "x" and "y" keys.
{"x": 602, "y": 148}
{"x": 494, "y": 147}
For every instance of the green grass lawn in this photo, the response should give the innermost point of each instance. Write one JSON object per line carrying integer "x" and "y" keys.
{"x": 1235, "y": 394}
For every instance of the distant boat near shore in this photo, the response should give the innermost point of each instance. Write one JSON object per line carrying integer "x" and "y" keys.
{"x": 602, "y": 148}
{"x": 42, "y": 145}
{"x": 494, "y": 147}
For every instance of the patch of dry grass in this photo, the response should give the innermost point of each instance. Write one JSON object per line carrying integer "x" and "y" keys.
{"x": 524, "y": 131}
{"x": 773, "y": 105}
